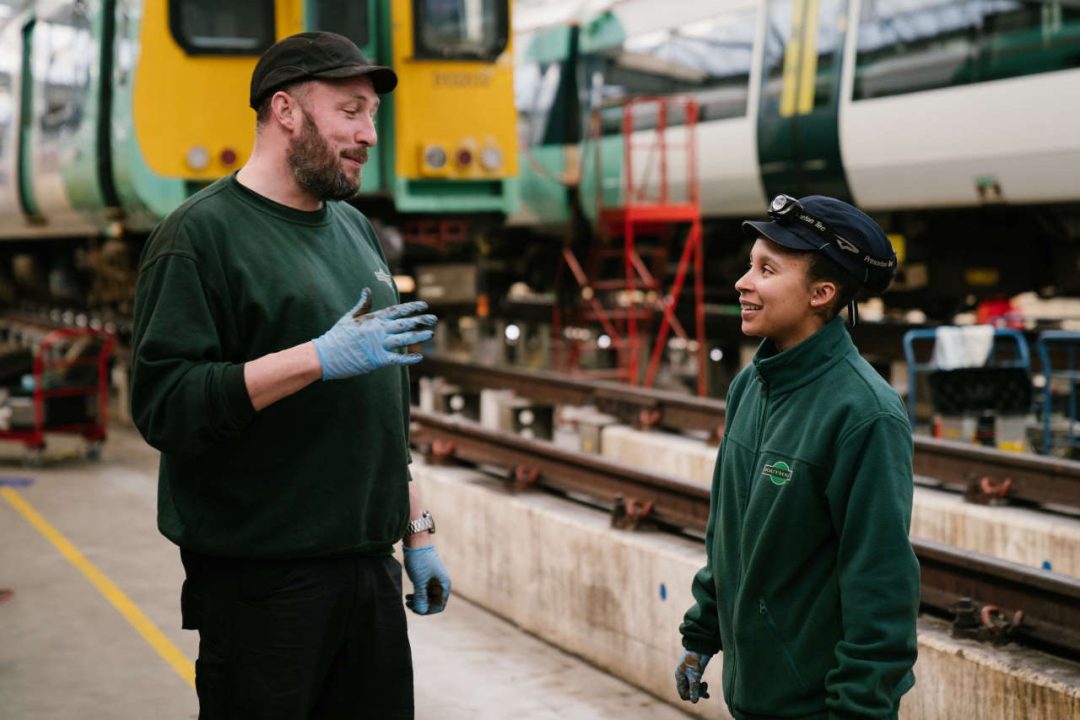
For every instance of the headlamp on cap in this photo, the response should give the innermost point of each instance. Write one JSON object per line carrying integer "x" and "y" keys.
{"x": 843, "y": 233}
{"x": 786, "y": 210}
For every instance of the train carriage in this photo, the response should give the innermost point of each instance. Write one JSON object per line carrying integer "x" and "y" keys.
{"x": 955, "y": 122}
{"x": 112, "y": 112}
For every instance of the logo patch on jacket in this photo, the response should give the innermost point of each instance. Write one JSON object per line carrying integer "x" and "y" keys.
{"x": 779, "y": 473}
{"x": 383, "y": 276}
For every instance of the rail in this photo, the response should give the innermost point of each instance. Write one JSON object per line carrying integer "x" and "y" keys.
{"x": 673, "y": 501}
{"x": 679, "y": 412}
{"x": 1006, "y": 600}
{"x": 1021, "y": 477}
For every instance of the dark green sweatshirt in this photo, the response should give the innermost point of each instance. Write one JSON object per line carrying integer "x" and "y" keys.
{"x": 229, "y": 277}
{"x": 811, "y": 588}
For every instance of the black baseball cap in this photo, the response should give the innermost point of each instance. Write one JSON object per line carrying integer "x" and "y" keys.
{"x": 846, "y": 235}
{"x": 315, "y": 56}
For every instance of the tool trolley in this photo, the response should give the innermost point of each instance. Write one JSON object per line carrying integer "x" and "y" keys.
{"x": 66, "y": 392}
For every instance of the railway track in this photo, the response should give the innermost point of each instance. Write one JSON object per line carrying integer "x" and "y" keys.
{"x": 987, "y": 598}
{"x": 984, "y": 473}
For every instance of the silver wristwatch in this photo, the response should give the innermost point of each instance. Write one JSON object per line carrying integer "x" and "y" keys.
{"x": 425, "y": 522}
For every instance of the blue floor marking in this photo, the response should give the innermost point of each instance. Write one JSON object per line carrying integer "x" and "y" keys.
{"x": 16, "y": 481}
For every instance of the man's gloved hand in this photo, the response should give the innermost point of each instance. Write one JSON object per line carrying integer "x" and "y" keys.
{"x": 688, "y": 676}
{"x": 431, "y": 582}
{"x": 360, "y": 342}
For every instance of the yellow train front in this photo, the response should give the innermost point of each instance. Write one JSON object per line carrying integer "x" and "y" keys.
{"x": 112, "y": 112}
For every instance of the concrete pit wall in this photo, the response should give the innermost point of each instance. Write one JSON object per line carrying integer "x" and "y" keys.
{"x": 556, "y": 569}
{"x": 1028, "y": 537}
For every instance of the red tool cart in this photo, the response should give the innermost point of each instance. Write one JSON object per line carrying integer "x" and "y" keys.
{"x": 69, "y": 393}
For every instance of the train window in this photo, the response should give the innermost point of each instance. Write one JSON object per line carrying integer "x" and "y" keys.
{"x": 778, "y": 37}
{"x": 346, "y": 18}
{"x": 63, "y": 44}
{"x": 212, "y": 27}
{"x": 801, "y": 56}
{"x": 831, "y": 22}
{"x": 535, "y": 88}
{"x": 460, "y": 29}
{"x": 709, "y": 58}
{"x": 906, "y": 47}
{"x": 1021, "y": 37}
{"x": 545, "y": 91}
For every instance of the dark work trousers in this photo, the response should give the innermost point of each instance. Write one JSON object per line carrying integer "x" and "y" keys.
{"x": 310, "y": 639}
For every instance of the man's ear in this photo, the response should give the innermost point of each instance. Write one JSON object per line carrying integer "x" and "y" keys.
{"x": 285, "y": 109}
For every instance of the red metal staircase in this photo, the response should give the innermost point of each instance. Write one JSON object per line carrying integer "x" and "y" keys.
{"x": 620, "y": 300}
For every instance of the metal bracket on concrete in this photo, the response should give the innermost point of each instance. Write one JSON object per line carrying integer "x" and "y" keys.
{"x": 965, "y": 618}
{"x": 648, "y": 419}
{"x": 440, "y": 451}
{"x": 988, "y": 491}
{"x": 630, "y": 514}
{"x": 986, "y": 624}
{"x": 997, "y": 625}
{"x": 525, "y": 477}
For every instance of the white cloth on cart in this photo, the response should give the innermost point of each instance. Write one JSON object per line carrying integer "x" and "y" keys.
{"x": 962, "y": 346}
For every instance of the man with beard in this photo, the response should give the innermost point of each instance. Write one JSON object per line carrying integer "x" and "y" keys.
{"x": 280, "y": 405}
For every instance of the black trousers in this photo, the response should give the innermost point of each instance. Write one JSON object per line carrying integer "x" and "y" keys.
{"x": 311, "y": 639}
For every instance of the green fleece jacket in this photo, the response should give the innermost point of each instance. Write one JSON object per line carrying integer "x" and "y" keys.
{"x": 231, "y": 276}
{"x": 811, "y": 588}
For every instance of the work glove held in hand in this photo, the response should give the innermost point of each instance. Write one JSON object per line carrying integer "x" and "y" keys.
{"x": 431, "y": 582}
{"x": 688, "y": 676}
{"x": 362, "y": 341}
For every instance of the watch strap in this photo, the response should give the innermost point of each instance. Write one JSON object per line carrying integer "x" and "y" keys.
{"x": 424, "y": 523}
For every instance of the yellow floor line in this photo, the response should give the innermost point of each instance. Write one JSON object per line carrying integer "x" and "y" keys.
{"x": 106, "y": 587}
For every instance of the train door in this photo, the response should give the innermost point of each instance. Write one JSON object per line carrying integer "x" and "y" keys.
{"x": 61, "y": 109}
{"x": 11, "y": 59}
{"x": 361, "y": 22}
{"x": 549, "y": 113}
{"x": 798, "y": 135}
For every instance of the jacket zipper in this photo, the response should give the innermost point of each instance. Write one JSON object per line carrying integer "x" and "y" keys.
{"x": 746, "y": 503}
{"x": 758, "y": 439}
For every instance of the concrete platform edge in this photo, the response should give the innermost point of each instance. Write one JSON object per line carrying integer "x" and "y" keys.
{"x": 616, "y": 599}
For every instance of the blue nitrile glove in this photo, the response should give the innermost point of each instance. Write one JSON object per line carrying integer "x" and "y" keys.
{"x": 688, "y": 676}
{"x": 361, "y": 342}
{"x": 431, "y": 582}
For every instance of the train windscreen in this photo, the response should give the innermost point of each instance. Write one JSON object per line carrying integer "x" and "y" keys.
{"x": 461, "y": 29}
{"x": 211, "y": 27}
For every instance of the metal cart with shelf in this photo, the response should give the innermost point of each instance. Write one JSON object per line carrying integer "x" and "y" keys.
{"x": 998, "y": 390}
{"x": 68, "y": 392}
{"x": 1061, "y": 345}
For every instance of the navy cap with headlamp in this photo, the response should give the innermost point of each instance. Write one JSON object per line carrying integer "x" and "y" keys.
{"x": 846, "y": 235}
